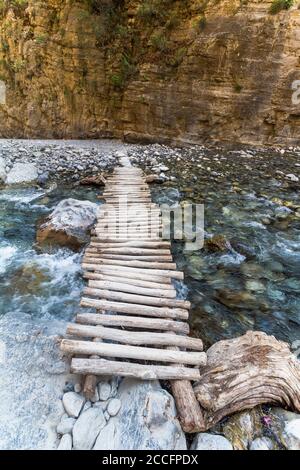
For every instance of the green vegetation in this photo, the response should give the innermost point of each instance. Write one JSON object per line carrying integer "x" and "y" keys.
{"x": 148, "y": 10}
{"x": 200, "y": 23}
{"x": 16, "y": 4}
{"x": 279, "y": 5}
{"x": 127, "y": 69}
{"x": 42, "y": 39}
{"x": 159, "y": 42}
{"x": 237, "y": 87}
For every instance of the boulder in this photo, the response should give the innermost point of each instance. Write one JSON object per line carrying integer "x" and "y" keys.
{"x": 154, "y": 179}
{"x": 69, "y": 224}
{"x": 73, "y": 403}
{"x": 205, "y": 441}
{"x": 22, "y": 173}
{"x": 87, "y": 428}
{"x": 147, "y": 420}
{"x": 217, "y": 243}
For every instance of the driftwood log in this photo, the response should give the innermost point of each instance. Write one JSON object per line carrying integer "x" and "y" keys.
{"x": 247, "y": 371}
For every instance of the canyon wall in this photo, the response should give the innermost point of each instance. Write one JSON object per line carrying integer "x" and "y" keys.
{"x": 150, "y": 70}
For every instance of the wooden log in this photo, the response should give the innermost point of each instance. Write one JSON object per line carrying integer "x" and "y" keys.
{"x": 125, "y": 369}
{"x": 135, "y": 338}
{"x": 130, "y": 276}
{"x": 135, "y": 309}
{"x": 136, "y": 299}
{"x": 189, "y": 411}
{"x": 130, "y": 243}
{"x": 123, "y": 287}
{"x": 132, "y": 352}
{"x": 133, "y": 282}
{"x": 133, "y": 322}
{"x": 245, "y": 372}
{"x": 161, "y": 259}
{"x": 136, "y": 251}
{"x": 135, "y": 264}
{"x": 134, "y": 270}
{"x": 90, "y": 382}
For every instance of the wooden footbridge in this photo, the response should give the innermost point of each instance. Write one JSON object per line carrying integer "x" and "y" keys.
{"x": 131, "y": 323}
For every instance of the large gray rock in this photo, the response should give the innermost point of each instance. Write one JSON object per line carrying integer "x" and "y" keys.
{"x": 73, "y": 403}
{"x": 87, "y": 428}
{"x": 205, "y": 441}
{"x": 69, "y": 224}
{"x": 2, "y": 170}
{"x": 22, "y": 173}
{"x": 147, "y": 420}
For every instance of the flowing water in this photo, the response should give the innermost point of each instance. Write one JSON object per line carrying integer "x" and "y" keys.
{"x": 250, "y": 279}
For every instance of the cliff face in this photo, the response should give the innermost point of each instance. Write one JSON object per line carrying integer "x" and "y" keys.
{"x": 167, "y": 70}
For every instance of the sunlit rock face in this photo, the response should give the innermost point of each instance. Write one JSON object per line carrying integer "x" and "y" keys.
{"x": 185, "y": 73}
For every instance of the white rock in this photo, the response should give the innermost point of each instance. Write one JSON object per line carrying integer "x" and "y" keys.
{"x": 22, "y": 173}
{"x": 73, "y": 403}
{"x": 292, "y": 434}
{"x": 77, "y": 388}
{"x": 114, "y": 406}
{"x": 65, "y": 442}
{"x": 262, "y": 443}
{"x": 104, "y": 390}
{"x": 2, "y": 170}
{"x": 65, "y": 426}
{"x": 147, "y": 420}
{"x": 87, "y": 428}
{"x": 292, "y": 177}
{"x": 205, "y": 441}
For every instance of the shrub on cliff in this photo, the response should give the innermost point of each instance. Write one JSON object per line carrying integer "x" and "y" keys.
{"x": 279, "y": 5}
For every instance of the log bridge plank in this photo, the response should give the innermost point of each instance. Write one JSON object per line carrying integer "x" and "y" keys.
{"x": 131, "y": 323}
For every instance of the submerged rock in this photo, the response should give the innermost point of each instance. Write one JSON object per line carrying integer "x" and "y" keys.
{"x": 205, "y": 441}
{"x": 22, "y": 173}
{"x": 69, "y": 224}
{"x": 147, "y": 420}
{"x": 217, "y": 243}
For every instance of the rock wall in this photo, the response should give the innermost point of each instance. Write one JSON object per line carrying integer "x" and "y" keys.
{"x": 150, "y": 70}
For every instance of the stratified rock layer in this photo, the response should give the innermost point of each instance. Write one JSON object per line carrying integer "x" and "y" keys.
{"x": 185, "y": 72}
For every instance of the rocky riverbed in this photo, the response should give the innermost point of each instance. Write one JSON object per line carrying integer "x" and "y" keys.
{"x": 246, "y": 277}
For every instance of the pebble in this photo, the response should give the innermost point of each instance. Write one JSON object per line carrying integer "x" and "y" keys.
{"x": 292, "y": 177}
{"x": 66, "y": 426}
{"x": 114, "y": 406}
{"x": 77, "y": 388}
{"x": 104, "y": 390}
{"x": 73, "y": 403}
